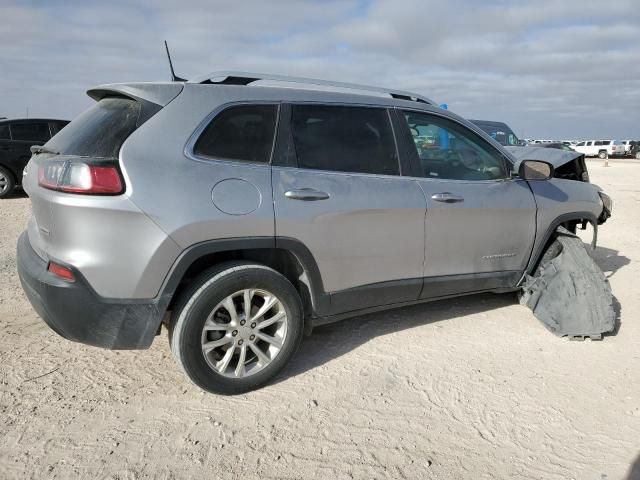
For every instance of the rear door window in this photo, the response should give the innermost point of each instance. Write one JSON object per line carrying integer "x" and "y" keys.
{"x": 100, "y": 131}
{"x": 32, "y": 132}
{"x": 242, "y": 133}
{"x": 344, "y": 139}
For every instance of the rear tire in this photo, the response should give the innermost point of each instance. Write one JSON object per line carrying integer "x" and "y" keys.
{"x": 7, "y": 183}
{"x": 224, "y": 349}
{"x": 602, "y": 154}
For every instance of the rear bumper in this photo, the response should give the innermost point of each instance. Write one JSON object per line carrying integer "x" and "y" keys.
{"x": 76, "y": 312}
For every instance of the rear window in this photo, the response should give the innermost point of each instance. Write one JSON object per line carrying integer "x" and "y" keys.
{"x": 100, "y": 131}
{"x": 31, "y": 132}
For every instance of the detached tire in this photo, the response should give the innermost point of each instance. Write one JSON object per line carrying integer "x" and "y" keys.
{"x": 236, "y": 327}
{"x": 7, "y": 183}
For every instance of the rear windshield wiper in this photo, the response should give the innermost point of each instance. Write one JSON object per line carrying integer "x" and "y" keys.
{"x": 42, "y": 149}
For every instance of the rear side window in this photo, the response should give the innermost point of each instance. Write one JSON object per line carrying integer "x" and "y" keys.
{"x": 344, "y": 139}
{"x": 243, "y": 132}
{"x": 100, "y": 131}
{"x": 33, "y": 132}
{"x": 4, "y": 132}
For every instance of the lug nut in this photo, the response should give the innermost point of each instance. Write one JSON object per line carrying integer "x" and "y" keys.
{"x": 253, "y": 325}
{"x": 234, "y": 333}
{"x": 241, "y": 322}
{"x": 240, "y": 342}
{"x": 252, "y": 337}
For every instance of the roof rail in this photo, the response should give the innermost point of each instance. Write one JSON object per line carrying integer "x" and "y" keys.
{"x": 245, "y": 78}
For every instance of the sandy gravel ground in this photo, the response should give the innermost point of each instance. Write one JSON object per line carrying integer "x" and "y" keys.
{"x": 472, "y": 388}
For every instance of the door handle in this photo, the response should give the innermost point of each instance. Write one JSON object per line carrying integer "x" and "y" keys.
{"x": 447, "y": 197}
{"x": 306, "y": 194}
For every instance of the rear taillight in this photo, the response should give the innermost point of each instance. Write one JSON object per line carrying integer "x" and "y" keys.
{"x": 61, "y": 272}
{"x": 81, "y": 177}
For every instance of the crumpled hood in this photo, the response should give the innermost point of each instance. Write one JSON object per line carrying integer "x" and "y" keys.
{"x": 554, "y": 156}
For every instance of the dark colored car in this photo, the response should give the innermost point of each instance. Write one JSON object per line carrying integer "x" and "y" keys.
{"x": 557, "y": 145}
{"x": 16, "y": 138}
{"x": 500, "y": 132}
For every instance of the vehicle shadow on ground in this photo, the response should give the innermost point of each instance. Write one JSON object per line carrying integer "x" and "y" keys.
{"x": 17, "y": 193}
{"x": 332, "y": 341}
{"x": 609, "y": 260}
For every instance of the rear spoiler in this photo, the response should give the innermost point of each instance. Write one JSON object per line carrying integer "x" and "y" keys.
{"x": 152, "y": 96}
{"x": 159, "y": 93}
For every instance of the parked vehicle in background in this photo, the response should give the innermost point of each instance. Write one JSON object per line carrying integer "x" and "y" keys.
{"x": 500, "y": 132}
{"x": 16, "y": 138}
{"x": 249, "y": 214}
{"x": 628, "y": 144}
{"x": 600, "y": 148}
{"x": 557, "y": 145}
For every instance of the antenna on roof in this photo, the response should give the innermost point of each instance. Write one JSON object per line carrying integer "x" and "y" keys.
{"x": 174, "y": 78}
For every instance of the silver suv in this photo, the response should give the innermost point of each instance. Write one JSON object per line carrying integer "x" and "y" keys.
{"x": 242, "y": 210}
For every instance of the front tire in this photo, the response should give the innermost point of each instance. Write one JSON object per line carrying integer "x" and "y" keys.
{"x": 7, "y": 183}
{"x": 236, "y": 327}
{"x": 602, "y": 154}
{"x": 638, "y": 156}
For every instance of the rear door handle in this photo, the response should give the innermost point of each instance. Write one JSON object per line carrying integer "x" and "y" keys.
{"x": 306, "y": 194}
{"x": 447, "y": 197}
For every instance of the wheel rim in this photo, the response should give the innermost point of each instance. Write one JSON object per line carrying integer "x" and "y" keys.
{"x": 244, "y": 333}
{"x": 4, "y": 183}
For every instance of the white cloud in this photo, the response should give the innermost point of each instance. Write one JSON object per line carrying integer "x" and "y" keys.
{"x": 550, "y": 69}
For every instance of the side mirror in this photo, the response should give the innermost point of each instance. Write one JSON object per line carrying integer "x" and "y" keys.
{"x": 535, "y": 170}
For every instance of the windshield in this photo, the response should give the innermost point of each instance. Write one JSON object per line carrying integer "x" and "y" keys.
{"x": 100, "y": 131}
{"x": 500, "y": 132}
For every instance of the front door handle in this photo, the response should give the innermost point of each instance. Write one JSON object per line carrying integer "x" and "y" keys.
{"x": 306, "y": 194}
{"x": 447, "y": 197}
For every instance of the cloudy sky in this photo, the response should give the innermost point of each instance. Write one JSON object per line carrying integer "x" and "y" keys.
{"x": 549, "y": 68}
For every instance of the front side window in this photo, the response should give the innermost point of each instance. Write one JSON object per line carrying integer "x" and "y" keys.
{"x": 33, "y": 132}
{"x": 242, "y": 132}
{"x": 344, "y": 139}
{"x": 581, "y": 144}
{"x": 447, "y": 150}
